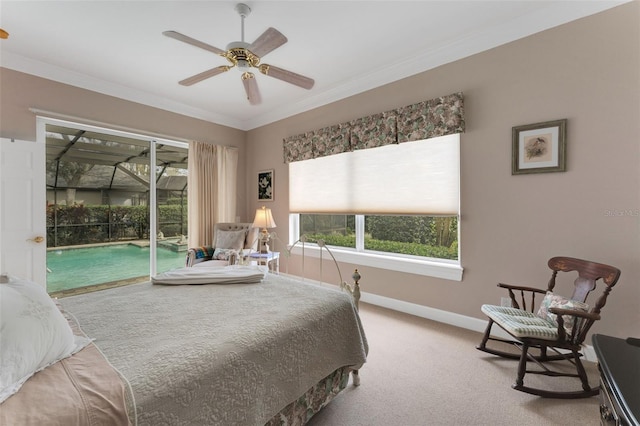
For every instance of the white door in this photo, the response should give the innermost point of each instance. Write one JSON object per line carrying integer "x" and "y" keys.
{"x": 23, "y": 210}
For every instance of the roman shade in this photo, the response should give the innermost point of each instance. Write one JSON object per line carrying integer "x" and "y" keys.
{"x": 420, "y": 177}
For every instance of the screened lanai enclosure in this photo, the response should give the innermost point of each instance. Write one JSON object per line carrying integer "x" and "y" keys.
{"x": 104, "y": 192}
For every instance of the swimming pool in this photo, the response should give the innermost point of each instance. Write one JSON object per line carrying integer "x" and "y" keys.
{"x": 79, "y": 267}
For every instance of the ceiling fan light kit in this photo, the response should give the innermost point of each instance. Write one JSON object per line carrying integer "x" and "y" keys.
{"x": 245, "y": 56}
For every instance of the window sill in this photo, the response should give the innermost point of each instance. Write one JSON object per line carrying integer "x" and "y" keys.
{"x": 445, "y": 269}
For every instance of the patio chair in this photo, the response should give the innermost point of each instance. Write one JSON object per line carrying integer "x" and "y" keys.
{"x": 560, "y": 324}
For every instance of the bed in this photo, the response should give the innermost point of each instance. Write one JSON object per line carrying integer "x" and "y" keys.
{"x": 269, "y": 352}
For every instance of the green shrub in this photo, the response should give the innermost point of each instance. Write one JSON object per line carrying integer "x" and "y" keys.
{"x": 416, "y": 249}
{"x": 334, "y": 239}
{"x": 80, "y": 224}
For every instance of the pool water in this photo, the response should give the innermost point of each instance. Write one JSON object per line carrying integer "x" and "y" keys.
{"x": 79, "y": 267}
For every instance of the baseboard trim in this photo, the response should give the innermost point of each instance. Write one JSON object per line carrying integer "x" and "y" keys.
{"x": 446, "y": 317}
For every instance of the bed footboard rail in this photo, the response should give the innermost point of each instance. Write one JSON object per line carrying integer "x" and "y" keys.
{"x": 352, "y": 289}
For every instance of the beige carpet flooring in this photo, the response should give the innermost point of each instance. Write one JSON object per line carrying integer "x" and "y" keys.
{"x": 421, "y": 372}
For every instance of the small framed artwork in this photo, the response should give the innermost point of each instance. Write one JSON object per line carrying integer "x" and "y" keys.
{"x": 539, "y": 147}
{"x": 265, "y": 185}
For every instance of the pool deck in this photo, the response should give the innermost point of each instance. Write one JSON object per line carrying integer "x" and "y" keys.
{"x": 96, "y": 287}
{"x": 110, "y": 243}
{"x": 140, "y": 243}
{"x": 169, "y": 243}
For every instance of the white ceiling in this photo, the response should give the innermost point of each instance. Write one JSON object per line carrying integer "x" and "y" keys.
{"x": 117, "y": 47}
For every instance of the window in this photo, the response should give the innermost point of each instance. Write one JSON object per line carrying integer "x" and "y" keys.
{"x": 425, "y": 236}
{"x": 394, "y": 207}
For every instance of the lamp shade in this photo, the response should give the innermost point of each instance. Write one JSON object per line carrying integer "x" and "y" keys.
{"x": 264, "y": 218}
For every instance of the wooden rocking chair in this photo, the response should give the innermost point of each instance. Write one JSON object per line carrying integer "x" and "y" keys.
{"x": 560, "y": 324}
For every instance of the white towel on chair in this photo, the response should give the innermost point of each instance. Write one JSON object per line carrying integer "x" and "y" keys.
{"x": 232, "y": 274}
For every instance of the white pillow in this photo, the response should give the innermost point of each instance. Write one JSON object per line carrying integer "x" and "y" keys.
{"x": 230, "y": 239}
{"x": 223, "y": 254}
{"x": 33, "y": 334}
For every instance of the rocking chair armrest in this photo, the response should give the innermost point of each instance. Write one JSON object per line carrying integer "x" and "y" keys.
{"x": 575, "y": 312}
{"x": 574, "y": 332}
{"x": 521, "y": 288}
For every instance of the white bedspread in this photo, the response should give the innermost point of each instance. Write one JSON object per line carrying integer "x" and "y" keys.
{"x": 221, "y": 354}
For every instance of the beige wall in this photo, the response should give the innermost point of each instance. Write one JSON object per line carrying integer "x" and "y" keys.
{"x": 19, "y": 92}
{"x": 588, "y": 72}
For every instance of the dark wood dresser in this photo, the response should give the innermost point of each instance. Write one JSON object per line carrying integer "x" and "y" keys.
{"x": 619, "y": 364}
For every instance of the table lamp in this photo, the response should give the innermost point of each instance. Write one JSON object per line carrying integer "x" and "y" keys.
{"x": 264, "y": 220}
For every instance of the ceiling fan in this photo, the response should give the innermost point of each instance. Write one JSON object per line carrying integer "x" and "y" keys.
{"x": 244, "y": 56}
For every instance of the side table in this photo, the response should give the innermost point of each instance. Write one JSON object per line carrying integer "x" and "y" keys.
{"x": 618, "y": 361}
{"x": 271, "y": 259}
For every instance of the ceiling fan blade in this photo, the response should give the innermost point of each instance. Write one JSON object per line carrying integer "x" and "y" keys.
{"x": 204, "y": 75}
{"x": 288, "y": 76}
{"x": 251, "y": 87}
{"x": 270, "y": 40}
{"x": 193, "y": 42}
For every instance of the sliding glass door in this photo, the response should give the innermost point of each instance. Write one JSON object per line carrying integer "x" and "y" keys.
{"x": 116, "y": 206}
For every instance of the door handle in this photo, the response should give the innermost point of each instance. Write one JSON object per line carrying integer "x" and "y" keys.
{"x": 37, "y": 239}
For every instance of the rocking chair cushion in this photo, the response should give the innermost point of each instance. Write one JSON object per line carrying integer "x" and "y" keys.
{"x": 522, "y": 324}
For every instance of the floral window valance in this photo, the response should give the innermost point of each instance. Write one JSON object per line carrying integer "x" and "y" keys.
{"x": 298, "y": 148}
{"x": 430, "y": 119}
{"x": 331, "y": 140}
{"x": 373, "y": 131}
{"x": 423, "y": 120}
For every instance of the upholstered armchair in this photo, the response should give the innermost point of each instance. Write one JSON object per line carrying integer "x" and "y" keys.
{"x": 230, "y": 239}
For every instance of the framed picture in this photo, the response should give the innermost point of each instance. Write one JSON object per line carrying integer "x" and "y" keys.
{"x": 265, "y": 185}
{"x": 539, "y": 147}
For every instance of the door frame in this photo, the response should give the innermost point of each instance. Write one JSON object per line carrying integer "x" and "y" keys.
{"x": 22, "y": 218}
